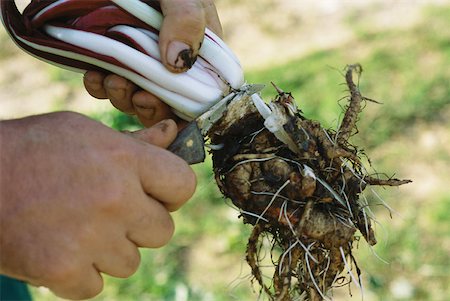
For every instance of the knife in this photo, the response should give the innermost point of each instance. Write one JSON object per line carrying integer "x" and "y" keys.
{"x": 190, "y": 142}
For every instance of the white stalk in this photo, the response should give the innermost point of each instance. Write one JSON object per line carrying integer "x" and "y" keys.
{"x": 201, "y": 62}
{"x": 48, "y": 8}
{"x": 150, "y": 68}
{"x": 210, "y": 50}
{"x": 183, "y": 106}
{"x": 206, "y": 67}
{"x": 261, "y": 106}
{"x": 228, "y": 68}
{"x": 141, "y": 11}
{"x": 222, "y": 44}
{"x": 273, "y": 121}
{"x": 189, "y": 94}
{"x": 151, "y": 48}
{"x": 149, "y": 33}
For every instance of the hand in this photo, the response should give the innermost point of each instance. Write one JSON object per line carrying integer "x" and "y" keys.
{"x": 183, "y": 26}
{"x": 78, "y": 199}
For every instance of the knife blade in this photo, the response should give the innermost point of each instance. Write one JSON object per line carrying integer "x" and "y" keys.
{"x": 190, "y": 142}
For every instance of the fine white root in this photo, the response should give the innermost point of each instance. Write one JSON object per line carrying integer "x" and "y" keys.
{"x": 288, "y": 251}
{"x": 313, "y": 280}
{"x": 349, "y": 270}
{"x": 272, "y": 194}
{"x": 298, "y": 239}
{"x": 283, "y": 209}
{"x": 331, "y": 190}
{"x": 273, "y": 199}
{"x": 260, "y": 217}
{"x": 391, "y": 210}
{"x": 215, "y": 147}
{"x": 251, "y": 160}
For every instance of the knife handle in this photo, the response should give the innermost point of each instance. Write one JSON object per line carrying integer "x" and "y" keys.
{"x": 189, "y": 144}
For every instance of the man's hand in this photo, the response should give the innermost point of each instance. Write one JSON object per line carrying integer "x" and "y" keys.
{"x": 78, "y": 199}
{"x": 183, "y": 29}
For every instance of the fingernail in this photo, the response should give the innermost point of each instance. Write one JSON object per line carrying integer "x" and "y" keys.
{"x": 180, "y": 56}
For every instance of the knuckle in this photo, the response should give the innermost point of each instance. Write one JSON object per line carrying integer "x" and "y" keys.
{"x": 71, "y": 282}
{"x": 108, "y": 195}
{"x": 59, "y": 272}
{"x": 120, "y": 105}
{"x": 192, "y": 14}
{"x": 196, "y": 18}
{"x": 113, "y": 198}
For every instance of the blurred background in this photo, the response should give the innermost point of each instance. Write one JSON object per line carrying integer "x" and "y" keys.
{"x": 303, "y": 47}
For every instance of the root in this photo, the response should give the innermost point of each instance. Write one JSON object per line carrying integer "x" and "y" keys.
{"x": 385, "y": 182}
{"x": 305, "y": 196}
{"x": 354, "y": 106}
{"x": 252, "y": 257}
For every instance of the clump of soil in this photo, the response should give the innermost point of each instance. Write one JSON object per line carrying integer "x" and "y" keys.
{"x": 304, "y": 199}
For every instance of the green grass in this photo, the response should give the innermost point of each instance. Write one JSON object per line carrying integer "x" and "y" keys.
{"x": 408, "y": 71}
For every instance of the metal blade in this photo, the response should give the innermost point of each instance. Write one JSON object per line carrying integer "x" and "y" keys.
{"x": 190, "y": 143}
{"x": 210, "y": 117}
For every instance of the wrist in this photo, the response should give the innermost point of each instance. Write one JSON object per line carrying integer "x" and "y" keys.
{"x": 8, "y": 155}
{"x": 7, "y": 132}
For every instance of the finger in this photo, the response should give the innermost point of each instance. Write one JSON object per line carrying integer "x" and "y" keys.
{"x": 120, "y": 91}
{"x": 212, "y": 18}
{"x": 166, "y": 177}
{"x": 119, "y": 258}
{"x": 161, "y": 134}
{"x": 150, "y": 109}
{"x": 76, "y": 285}
{"x": 151, "y": 226}
{"x": 93, "y": 82}
{"x": 181, "y": 33}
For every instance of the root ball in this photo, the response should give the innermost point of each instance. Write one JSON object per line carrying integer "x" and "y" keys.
{"x": 306, "y": 201}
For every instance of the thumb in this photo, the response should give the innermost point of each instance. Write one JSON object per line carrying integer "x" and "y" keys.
{"x": 181, "y": 33}
{"x": 161, "y": 134}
